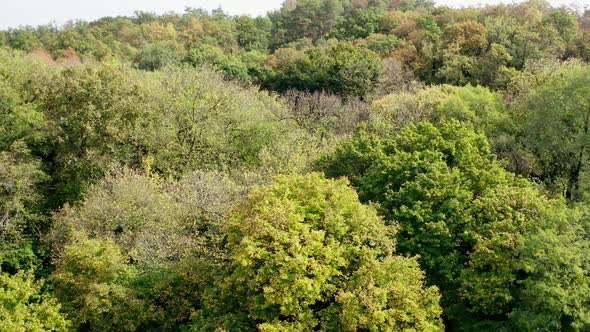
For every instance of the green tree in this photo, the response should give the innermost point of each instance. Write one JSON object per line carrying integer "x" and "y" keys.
{"x": 154, "y": 222}
{"x": 342, "y": 68}
{"x": 162, "y": 239}
{"x": 534, "y": 266}
{"x": 19, "y": 176}
{"x": 477, "y": 105}
{"x": 565, "y": 23}
{"x": 304, "y": 19}
{"x": 23, "y": 39}
{"x": 473, "y": 224}
{"x": 522, "y": 32}
{"x": 352, "y": 71}
{"x": 253, "y": 33}
{"x": 92, "y": 280}
{"x": 20, "y": 220}
{"x": 156, "y": 56}
{"x": 24, "y": 308}
{"x": 213, "y": 124}
{"x": 301, "y": 251}
{"x": 20, "y": 117}
{"x": 360, "y": 24}
{"x": 553, "y": 114}
{"x": 3, "y": 39}
{"x": 231, "y": 66}
{"x": 95, "y": 115}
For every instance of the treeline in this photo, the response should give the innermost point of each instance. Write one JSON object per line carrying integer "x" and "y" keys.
{"x": 347, "y": 47}
{"x": 333, "y": 166}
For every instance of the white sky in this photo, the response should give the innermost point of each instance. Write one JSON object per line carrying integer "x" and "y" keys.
{"x": 14, "y": 13}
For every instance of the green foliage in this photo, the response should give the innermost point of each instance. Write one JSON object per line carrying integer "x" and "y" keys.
{"x": 17, "y": 255}
{"x": 92, "y": 280}
{"x": 155, "y": 223}
{"x": 426, "y": 182}
{"x": 20, "y": 117}
{"x": 153, "y": 246}
{"x": 472, "y": 223}
{"x": 354, "y": 71}
{"x": 253, "y": 33}
{"x": 361, "y": 24}
{"x": 23, "y": 306}
{"x": 341, "y": 68}
{"x": 553, "y": 119}
{"x": 156, "y": 56}
{"x": 473, "y": 57}
{"x": 307, "y": 18}
{"x": 301, "y": 249}
{"x": 382, "y": 44}
{"x": 24, "y": 39}
{"x": 94, "y": 116}
{"x": 542, "y": 264}
{"x": 232, "y": 67}
{"x": 389, "y": 295}
{"x": 478, "y": 106}
{"x": 524, "y": 35}
{"x": 19, "y": 175}
{"x": 20, "y": 221}
{"x": 212, "y": 124}
{"x": 127, "y": 145}
{"x": 441, "y": 45}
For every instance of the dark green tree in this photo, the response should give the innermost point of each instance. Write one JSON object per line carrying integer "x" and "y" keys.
{"x": 553, "y": 115}
{"x": 472, "y": 223}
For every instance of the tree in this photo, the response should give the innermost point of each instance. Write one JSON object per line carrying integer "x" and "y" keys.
{"x": 20, "y": 220}
{"x": 473, "y": 224}
{"x": 470, "y": 37}
{"x": 231, "y": 66}
{"x": 553, "y": 114}
{"x": 301, "y": 251}
{"x": 156, "y": 56}
{"x": 19, "y": 118}
{"x": 19, "y": 175}
{"x": 382, "y": 44}
{"x": 155, "y": 223}
{"x": 353, "y": 71}
{"x": 304, "y": 19}
{"x": 140, "y": 251}
{"x": 213, "y": 124}
{"x": 95, "y": 115}
{"x": 325, "y": 115}
{"x": 565, "y": 23}
{"x": 3, "y": 39}
{"x": 535, "y": 267}
{"x": 92, "y": 280}
{"x": 470, "y": 57}
{"x": 522, "y": 32}
{"x": 342, "y": 68}
{"x": 360, "y": 24}
{"x": 23, "y": 306}
{"x": 24, "y": 39}
{"x": 253, "y": 33}
{"x": 583, "y": 38}
{"x": 476, "y": 105}
{"x": 155, "y": 31}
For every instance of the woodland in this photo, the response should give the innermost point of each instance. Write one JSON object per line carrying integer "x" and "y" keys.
{"x": 334, "y": 165}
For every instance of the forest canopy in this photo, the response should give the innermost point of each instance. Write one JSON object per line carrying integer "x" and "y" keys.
{"x": 334, "y": 165}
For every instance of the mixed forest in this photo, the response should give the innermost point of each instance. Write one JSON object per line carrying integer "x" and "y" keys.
{"x": 335, "y": 165}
